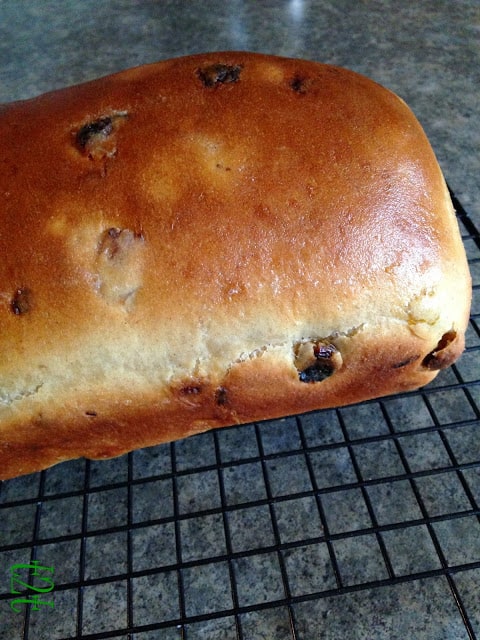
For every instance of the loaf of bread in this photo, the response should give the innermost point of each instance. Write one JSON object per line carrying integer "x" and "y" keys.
{"x": 212, "y": 240}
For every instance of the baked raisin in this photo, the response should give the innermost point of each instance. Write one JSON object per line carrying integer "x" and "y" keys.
{"x": 21, "y": 301}
{"x": 102, "y": 126}
{"x": 299, "y": 84}
{"x": 219, "y": 73}
{"x": 316, "y": 372}
{"x": 326, "y": 359}
{"x": 98, "y": 139}
{"x": 221, "y": 396}
{"x": 191, "y": 390}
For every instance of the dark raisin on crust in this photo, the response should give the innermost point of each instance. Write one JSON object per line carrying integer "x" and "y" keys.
{"x": 316, "y": 372}
{"x": 110, "y": 244}
{"x": 215, "y": 74}
{"x": 119, "y": 265}
{"x": 191, "y": 390}
{"x": 324, "y": 351}
{"x": 97, "y": 139}
{"x": 21, "y": 301}
{"x": 102, "y": 126}
{"x": 221, "y": 398}
{"x": 115, "y": 240}
{"x": 299, "y": 84}
{"x": 324, "y": 364}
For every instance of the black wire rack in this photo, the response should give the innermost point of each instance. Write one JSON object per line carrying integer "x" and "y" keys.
{"x": 360, "y": 522}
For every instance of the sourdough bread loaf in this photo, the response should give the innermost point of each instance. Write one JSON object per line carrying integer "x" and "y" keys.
{"x": 211, "y": 240}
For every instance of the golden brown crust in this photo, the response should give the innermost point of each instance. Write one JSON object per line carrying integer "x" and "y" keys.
{"x": 210, "y": 240}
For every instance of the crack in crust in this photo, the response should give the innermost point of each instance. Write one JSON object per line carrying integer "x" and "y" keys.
{"x": 8, "y": 399}
{"x": 444, "y": 354}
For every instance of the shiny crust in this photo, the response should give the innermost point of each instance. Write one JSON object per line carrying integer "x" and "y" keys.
{"x": 212, "y": 240}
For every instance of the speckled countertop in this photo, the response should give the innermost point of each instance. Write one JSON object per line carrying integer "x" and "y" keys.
{"x": 359, "y": 523}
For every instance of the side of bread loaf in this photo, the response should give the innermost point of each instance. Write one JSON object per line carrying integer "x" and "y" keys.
{"x": 212, "y": 240}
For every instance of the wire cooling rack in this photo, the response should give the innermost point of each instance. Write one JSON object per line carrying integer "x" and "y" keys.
{"x": 361, "y": 522}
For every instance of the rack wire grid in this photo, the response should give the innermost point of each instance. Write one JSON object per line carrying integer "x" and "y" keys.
{"x": 361, "y": 522}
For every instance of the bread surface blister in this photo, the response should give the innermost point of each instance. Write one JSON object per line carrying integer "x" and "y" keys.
{"x": 213, "y": 240}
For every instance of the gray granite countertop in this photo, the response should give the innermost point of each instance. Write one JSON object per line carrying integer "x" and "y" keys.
{"x": 357, "y": 523}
